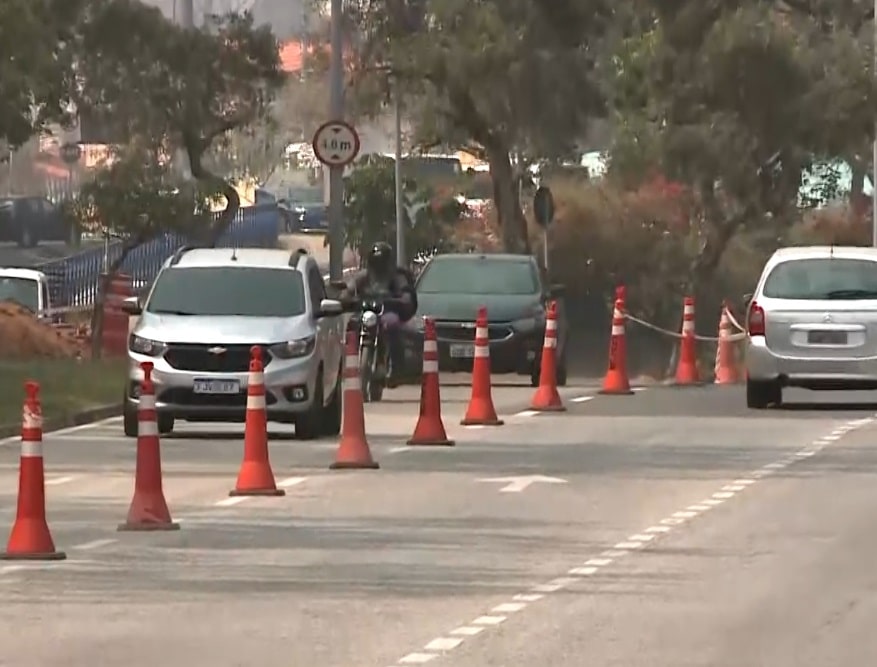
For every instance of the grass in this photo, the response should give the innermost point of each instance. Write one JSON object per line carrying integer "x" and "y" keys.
{"x": 67, "y": 386}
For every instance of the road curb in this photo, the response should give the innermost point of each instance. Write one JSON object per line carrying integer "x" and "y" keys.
{"x": 80, "y": 418}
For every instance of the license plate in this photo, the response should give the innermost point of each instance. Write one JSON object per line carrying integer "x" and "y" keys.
{"x": 827, "y": 337}
{"x": 462, "y": 351}
{"x": 216, "y": 386}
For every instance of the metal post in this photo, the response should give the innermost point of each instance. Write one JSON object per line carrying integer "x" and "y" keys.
{"x": 401, "y": 258}
{"x": 187, "y": 13}
{"x": 874, "y": 146}
{"x": 336, "y": 174}
{"x": 545, "y": 250}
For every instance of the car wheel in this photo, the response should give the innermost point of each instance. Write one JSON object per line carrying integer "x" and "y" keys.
{"x": 309, "y": 426}
{"x": 165, "y": 424}
{"x": 129, "y": 418}
{"x": 761, "y": 394}
{"x": 332, "y": 412}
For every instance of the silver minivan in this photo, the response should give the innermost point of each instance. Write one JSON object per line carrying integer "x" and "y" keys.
{"x": 812, "y": 323}
{"x": 206, "y": 309}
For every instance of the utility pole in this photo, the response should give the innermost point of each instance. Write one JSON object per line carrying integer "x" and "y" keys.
{"x": 401, "y": 257}
{"x": 187, "y": 13}
{"x": 336, "y": 174}
{"x": 874, "y": 146}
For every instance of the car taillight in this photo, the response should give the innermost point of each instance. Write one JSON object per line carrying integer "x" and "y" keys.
{"x": 755, "y": 324}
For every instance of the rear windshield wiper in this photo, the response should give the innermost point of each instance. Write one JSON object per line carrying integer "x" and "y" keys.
{"x": 852, "y": 294}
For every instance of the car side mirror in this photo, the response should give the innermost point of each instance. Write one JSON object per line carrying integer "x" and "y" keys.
{"x": 330, "y": 308}
{"x": 131, "y": 306}
{"x": 747, "y": 298}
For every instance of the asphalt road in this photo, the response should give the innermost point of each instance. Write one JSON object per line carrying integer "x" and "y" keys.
{"x": 668, "y": 528}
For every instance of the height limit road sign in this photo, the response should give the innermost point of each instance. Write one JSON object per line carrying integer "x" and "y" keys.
{"x": 336, "y": 143}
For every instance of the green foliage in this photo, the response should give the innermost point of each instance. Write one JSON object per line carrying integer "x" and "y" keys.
{"x": 370, "y": 211}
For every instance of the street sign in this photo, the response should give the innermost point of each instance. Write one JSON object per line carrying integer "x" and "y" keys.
{"x": 71, "y": 153}
{"x": 518, "y": 484}
{"x": 336, "y": 143}
{"x": 543, "y": 206}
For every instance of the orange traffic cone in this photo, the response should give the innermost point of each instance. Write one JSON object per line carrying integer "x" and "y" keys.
{"x": 148, "y": 509}
{"x": 481, "y": 411}
{"x": 430, "y": 429}
{"x": 255, "y": 477}
{"x": 30, "y": 538}
{"x": 547, "y": 398}
{"x": 353, "y": 450}
{"x": 726, "y": 366}
{"x": 686, "y": 369}
{"x": 616, "y": 380}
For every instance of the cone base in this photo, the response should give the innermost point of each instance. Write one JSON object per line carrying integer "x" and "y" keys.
{"x": 547, "y": 408}
{"x": 51, "y": 555}
{"x": 427, "y": 442}
{"x": 144, "y": 526}
{"x": 616, "y": 392}
{"x": 235, "y": 493}
{"x": 355, "y": 465}
{"x": 482, "y": 422}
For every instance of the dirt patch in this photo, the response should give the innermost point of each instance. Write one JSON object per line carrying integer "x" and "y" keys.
{"x": 23, "y": 336}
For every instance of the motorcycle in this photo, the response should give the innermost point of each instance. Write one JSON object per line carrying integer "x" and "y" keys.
{"x": 373, "y": 352}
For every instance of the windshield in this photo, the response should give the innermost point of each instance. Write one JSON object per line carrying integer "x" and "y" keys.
{"x": 819, "y": 279}
{"x": 22, "y": 291}
{"x": 228, "y": 291}
{"x": 478, "y": 276}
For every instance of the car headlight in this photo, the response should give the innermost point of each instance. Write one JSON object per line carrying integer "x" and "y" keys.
{"x": 145, "y": 346}
{"x": 369, "y": 318}
{"x": 292, "y": 349}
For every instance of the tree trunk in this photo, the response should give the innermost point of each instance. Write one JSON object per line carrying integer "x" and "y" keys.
{"x": 195, "y": 148}
{"x": 512, "y": 223}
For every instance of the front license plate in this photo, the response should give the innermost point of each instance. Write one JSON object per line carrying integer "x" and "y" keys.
{"x": 216, "y": 386}
{"x": 827, "y": 337}
{"x": 459, "y": 351}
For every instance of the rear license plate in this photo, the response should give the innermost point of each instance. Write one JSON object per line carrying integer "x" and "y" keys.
{"x": 827, "y": 337}
{"x": 230, "y": 386}
{"x": 459, "y": 351}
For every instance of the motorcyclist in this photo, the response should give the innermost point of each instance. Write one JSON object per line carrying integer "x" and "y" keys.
{"x": 394, "y": 287}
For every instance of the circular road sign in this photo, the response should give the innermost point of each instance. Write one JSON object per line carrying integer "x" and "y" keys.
{"x": 336, "y": 143}
{"x": 543, "y": 206}
{"x": 71, "y": 153}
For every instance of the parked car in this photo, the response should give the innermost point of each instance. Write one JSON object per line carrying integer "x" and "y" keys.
{"x": 29, "y": 220}
{"x": 452, "y": 287}
{"x": 205, "y": 310}
{"x": 812, "y": 323}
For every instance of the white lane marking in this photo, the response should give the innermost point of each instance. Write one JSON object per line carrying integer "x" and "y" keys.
{"x": 55, "y": 481}
{"x": 95, "y": 544}
{"x": 527, "y": 413}
{"x": 403, "y": 448}
{"x": 291, "y": 481}
{"x": 581, "y": 399}
{"x": 229, "y": 502}
{"x": 475, "y": 427}
{"x": 592, "y": 566}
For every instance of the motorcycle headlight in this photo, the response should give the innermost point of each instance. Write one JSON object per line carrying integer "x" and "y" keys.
{"x": 145, "y": 346}
{"x": 369, "y": 319}
{"x": 292, "y": 349}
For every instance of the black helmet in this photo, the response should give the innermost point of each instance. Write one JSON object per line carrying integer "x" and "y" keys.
{"x": 379, "y": 260}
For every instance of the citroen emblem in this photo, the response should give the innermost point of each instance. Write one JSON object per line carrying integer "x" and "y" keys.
{"x": 826, "y": 317}
{"x": 217, "y": 350}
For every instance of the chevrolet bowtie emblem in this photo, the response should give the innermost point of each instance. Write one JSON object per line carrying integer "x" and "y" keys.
{"x": 217, "y": 350}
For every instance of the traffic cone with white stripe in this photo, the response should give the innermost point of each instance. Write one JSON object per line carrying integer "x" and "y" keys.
{"x": 726, "y": 366}
{"x": 481, "y": 411}
{"x": 686, "y": 369}
{"x": 547, "y": 398}
{"x": 430, "y": 429}
{"x": 148, "y": 510}
{"x": 353, "y": 450}
{"x": 255, "y": 477}
{"x": 30, "y": 538}
{"x": 616, "y": 380}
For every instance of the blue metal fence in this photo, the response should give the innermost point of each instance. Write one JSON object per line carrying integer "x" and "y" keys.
{"x": 73, "y": 281}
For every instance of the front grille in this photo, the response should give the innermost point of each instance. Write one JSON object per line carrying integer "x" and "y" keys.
{"x": 235, "y": 359}
{"x": 465, "y": 332}
{"x": 187, "y": 397}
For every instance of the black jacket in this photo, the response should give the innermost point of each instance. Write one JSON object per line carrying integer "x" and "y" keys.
{"x": 401, "y": 297}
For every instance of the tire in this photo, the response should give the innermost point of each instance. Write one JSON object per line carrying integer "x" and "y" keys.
{"x": 333, "y": 411}
{"x": 129, "y": 417}
{"x": 761, "y": 394}
{"x": 309, "y": 426}
{"x": 165, "y": 424}
{"x": 372, "y": 392}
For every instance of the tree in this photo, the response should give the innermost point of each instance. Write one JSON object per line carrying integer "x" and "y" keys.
{"x": 190, "y": 85}
{"x": 138, "y": 196}
{"x": 735, "y": 102}
{"x": 499, "y": 76}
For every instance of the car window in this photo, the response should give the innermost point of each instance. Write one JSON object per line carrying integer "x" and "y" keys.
{"x": 20, "y": 290}
{"x": 228, "y": 291}
{"x": 478, "y": 276}
{"x": 824, "y": 278}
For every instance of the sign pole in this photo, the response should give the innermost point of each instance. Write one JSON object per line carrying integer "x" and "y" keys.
{"x": 336, "y": 172}
{"x": 545, "y": 249}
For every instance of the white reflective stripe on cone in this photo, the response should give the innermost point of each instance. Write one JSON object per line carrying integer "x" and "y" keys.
{"x": 481, "y": 332}
{"x": 481, "y": 351}
{"x": 31, "y": 449}
{"x": 550, "y": 342}
{"x": 147, "y": 428}
{"x": 430, "y": 346}
{"x": 147, "y": 402}
{"x": 551, "y": 325}
{"x": 617, "y": 314}
{"x": 256, "y": 378}
{"x": 351, "y": 384}
{"x": 256, "y": 402}
{"x": 31, "y": 419}
{"x": 430, "y": 366}
{"x": 688, "y": 326}
{"x": 688, "y": 309}
{"x": 617, "y": 329}
{"x": 351, "y": 361}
